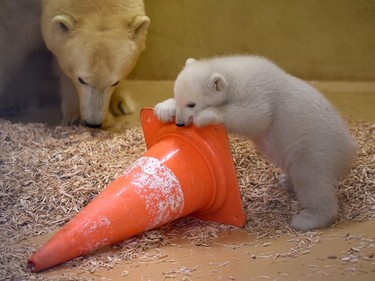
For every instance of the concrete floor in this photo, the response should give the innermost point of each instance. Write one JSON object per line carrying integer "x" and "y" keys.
{"x": 236, "y": 255}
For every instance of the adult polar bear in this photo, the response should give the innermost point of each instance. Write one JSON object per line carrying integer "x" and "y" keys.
{"x": 288, "y": 120}
{"x": 96, "y": 44}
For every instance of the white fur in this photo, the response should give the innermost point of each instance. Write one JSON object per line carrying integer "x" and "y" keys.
{"x": 97, "y": 41}
{"x": 96, "y": 44}
{"x": 288, "y": 120}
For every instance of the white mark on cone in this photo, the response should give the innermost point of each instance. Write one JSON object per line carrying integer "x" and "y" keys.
{"x": 90, "y": 227}
{"x": 159, "y": 188}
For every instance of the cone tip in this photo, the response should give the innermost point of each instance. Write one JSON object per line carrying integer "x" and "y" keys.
{"x": 31, "y": 266}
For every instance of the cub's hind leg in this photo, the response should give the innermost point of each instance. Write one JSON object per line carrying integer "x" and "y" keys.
{"x": 286, "y": 183}
{"x": 316, "y": 194}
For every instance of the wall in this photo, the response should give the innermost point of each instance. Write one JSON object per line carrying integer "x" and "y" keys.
{"x": 313, "y": 39}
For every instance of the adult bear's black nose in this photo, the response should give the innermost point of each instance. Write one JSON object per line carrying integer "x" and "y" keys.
{"x": 95, "y": 126}
{"x": 180, "y": 124}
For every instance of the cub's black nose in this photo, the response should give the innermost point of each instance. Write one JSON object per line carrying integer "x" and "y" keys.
{"x": 95, "y": 126}
{"x": 180, "y": 124}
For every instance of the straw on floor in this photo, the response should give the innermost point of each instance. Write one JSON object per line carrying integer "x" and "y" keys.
{"x": 47, "y": 174}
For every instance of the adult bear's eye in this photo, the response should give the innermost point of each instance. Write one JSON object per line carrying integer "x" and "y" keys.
{"x": 115, "y": 84}
{"x": 83, "y": 82}
{"x": 63, "y": 27}
{"x": 191, "y": 105}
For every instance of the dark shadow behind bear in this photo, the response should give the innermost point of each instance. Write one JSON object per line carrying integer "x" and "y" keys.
{"x": 31, "y": 95}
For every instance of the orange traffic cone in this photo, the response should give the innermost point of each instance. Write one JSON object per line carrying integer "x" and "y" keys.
{"x": 185, "y": 171}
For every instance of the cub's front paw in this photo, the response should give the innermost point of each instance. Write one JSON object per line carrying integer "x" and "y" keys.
{"x": 166, "y": 110}
{"x": 206, "y": 117}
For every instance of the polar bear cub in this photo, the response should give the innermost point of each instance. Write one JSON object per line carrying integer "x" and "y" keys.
{"x": 288, "y": 120}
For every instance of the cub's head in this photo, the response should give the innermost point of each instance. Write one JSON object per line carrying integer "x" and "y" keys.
{"x": 198, "y": 86}
{"x": 96, "y": 43}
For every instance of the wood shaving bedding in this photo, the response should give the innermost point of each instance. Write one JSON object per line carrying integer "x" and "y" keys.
{"x": 47, "y": 174}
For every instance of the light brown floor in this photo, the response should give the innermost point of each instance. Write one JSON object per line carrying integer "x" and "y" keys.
{"x": 236, "y": 255}
{"x": 355, "y": 100}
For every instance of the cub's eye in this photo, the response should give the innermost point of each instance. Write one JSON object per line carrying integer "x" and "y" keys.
{"x": 82, "y": 81}
{"x": 115, "y": 84}
{"x": 191, "y": 105}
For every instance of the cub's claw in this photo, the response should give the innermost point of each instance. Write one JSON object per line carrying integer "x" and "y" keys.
{"x": 285, "y": 182}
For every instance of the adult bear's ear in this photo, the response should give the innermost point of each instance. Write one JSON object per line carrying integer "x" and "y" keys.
{"x": 139, "y": 26}
{"x": 190, "y": 61}
{"x": 63, "y": 23}
{"x": 218, "y": 82}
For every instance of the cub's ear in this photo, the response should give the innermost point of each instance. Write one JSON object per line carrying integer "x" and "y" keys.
{"x": 139, "y": 26}
{"x": 63, "y": 23}
{"x": 190, "y": 61}
{"x": 218, "y": 82}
